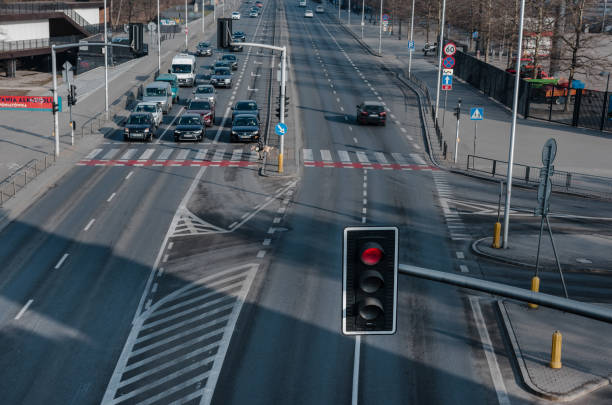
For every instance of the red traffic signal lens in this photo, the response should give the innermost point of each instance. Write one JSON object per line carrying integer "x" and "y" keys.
{"x": 371, "y": 254}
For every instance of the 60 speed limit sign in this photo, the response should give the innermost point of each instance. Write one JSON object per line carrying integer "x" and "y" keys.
{"x": 450, "y": 49}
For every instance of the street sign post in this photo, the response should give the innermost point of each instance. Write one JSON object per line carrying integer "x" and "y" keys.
{"x": 450, "y": 49}
{"x": 67, "y": 75}
{"x": 447, "y": 82}
{"x": 448, "y": 62}
{"x": 476, "y": 114}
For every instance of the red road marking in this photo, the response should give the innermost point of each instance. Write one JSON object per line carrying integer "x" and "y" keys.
{"x": 168, "y": 163}
{"x": 373, "y": 166}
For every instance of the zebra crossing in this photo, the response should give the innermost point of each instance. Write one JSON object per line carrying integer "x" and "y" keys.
{"x": 456, "y": 228}
{"x": 364, "y": 160}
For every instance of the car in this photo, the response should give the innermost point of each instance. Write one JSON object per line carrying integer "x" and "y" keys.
{"x": 204, "y": 49}
{"x": 236, "y": 48}
{"x": 173, "y": 80}
{"x": 235, "y": 15}
{"x": 205, "y": 108}
{"x": 222, "y": 77}
{"x": 308, "y": 14}
{"x": 189, "y": 128}
{"x": 139, "y": 125}
{"x": 253, "y": 14}
{"x": 159, "y": 92}
{"x": 205, "y": 92}
{"x": 222, "y": 63}
{"x": 239, "y": 36}
{"x": 319, "y": 9}
{"x": 153, "y": 108}
{"x": 245, "y": 127}
{"x": 371, "y": 112}
{"x": 259, "y": 4}
{"x": 302, "y": 3}
{"x": 245, "y": 107}
{"x": 202, "y": 78}
{"x": 232, "y": 59}
{"x": 256, "y": 9}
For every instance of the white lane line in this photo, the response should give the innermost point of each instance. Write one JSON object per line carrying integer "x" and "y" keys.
{"x": 261, "y": 254}
{"x": 337, "y": 99}
{"x": 416, "y": 146}
{"x": 399, "y": 158}
{"x": 403, "y": 130}
{"x": 326, "y": 155}
{"x": 93, "y": 153}
{"x": 464, "y": 268}
{"x": 459, "y": 255}
{"x": 344, "y": 156}
{"x": 129, "y": 175}
{"x": 170, "y": 245}
{"x": 154, "y": 288}
{"x": 307, "y": 155}
{"x": 146, "y": 155}
{"x": 111, "y": 197}
{"x": 364, "y": 210}
{"x": 201, "y": 154}
{"x": 169, "y": 125}
{"x": 236, "y": 154}
{"x": 380, "y": 157}
{"x": 89, "y": 224}
{"x": 417, "y": 158}
{"x": 487, "y": 346}
{"x": 276, "y": 220}
{"x": 267, "y": 242}
{"x": 25, "y": 308}
{"x": 341, "y": 108}
{"x": 363, "y": 220}
{"x": 218, "y": 156}
{"x": 61, "y": 261}
{"x": 350, "y": 128}
{"x": 356, "y": 357}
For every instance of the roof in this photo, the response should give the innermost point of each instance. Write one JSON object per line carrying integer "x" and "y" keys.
{"x": 165, "y": 76}
{"x": 159, "y": 85}
{"x": 373, "y": 103}
{"x": 190, "y": 115}
{"x": 146, "y": 103}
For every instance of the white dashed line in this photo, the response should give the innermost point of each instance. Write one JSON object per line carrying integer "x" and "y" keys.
{"x": 261, "y": 254}
{"x": 89, "y": 224}
{"x": 111, "y": 197}
{"x": 61, "y": 261}
{"x": 25, "y": 308}
{"x": 464, "y": 268}
{"x": 267, "y": 242}
{"x": 170, "y": 245}
{"x": 460, "y": 255}
{"x": 129, "y": 175}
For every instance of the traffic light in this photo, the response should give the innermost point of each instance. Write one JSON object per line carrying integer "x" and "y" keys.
{"x": 72, "y": 95}
{"x": 369, "y": 280}
{"x": 55, "y": 107}
{"x": 458, "y": 109}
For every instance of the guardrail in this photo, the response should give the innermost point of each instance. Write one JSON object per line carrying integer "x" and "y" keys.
{"x": 7, "y": 46}
{"x": 578, "y": 183}
{"x": 22, "y": 176}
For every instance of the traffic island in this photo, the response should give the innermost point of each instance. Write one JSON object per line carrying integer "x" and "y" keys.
{"x": 586, "y": 356}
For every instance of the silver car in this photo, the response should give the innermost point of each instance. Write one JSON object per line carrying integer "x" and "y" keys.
{"x": 205, "y": 92}
{"x": 153, "y": 108}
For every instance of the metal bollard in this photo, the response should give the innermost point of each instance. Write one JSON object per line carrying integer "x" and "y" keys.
{"x": 444, "y": 150}
{"x": 497, "y": 235}
{"x": 568, "y": 180}
{"x": 494, "y": 167}
{"x": 535, "y": 287}
{"x": 555, "y": 354}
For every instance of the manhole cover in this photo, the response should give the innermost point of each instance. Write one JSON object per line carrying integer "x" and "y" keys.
{"x": 583, "y": 260}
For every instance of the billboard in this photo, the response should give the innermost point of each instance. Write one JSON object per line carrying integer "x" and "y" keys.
{"x": 37, "y": 103}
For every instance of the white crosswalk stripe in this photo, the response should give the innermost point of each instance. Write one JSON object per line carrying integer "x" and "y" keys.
{"x": 182, "y": 155}
{"x": 362, "y": 157}
{"x": 344, "y": 156}
{"x": 307, "y": 155}
{"x": 201, "y": 155}
{"x": 110, "y": 154}
{"x": 146, "y": 155}
{"x": 128, "y": 154}
{"x": 165, "y": 154}
{"x": 417, "y": 158}
{"x": 326, "y": 155}
{"x": 399, "y": 158}
{"x": 380, "y": 157}
{"x": 236, "y": 154}
{"x": 218, "y": 156}
{"x": 93, "y": 153}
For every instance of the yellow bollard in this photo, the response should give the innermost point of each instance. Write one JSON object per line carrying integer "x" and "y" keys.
{"x": 555, "y": 355}
{"x": 280, "y": 162}
{"x": 535, "y": 287}
{"x": 497, "y": 236}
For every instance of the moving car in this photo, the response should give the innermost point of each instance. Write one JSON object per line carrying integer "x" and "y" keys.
{"x": 308, "y": 14}
{"x": 189, "y": 128}
{"x": 222, "y": 63}
{"x": 222, "y": 77}
{"x": 245, "y": 127}
{"x": 204, "y": 109}
{"x": 204, "y": 49}
{"x": 259, "y": 4}
{"x": 319, "y": 9}
{"x": 205, "y": 92}
{"x": 302, "y": 3}
{"x": 236, "y": 48}
{"x": 159, "y": 92}
{"x": 253, "y": 13}
{"x": 139, "y": 125}
{"x": 173, "y": 80}
{"x": 184, "y": 67}
{"x": 232, "y": 59}
{"x": 239, "y": 36}
{"x": 255, "y": 9}
{"x": 153, "y": 108}
{"x": 202, "y": 78}
{"x": 235, "y": 15}
{"x": 371, "y": 112}
{"x": 245, "y": 107}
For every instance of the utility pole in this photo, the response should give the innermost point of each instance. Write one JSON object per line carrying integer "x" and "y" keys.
{"x": 362, "y": 16}
{"x": 105, "y": 68}
{"x": 55, "y": 98}
{"x": 158, "y": 41}
{"x": 380, "y": 29}
{"x": 203, "y": 15}
{"x": 186, "y": 27}
{"x": 439, "y": 50}
{"x": 411, "y": 39}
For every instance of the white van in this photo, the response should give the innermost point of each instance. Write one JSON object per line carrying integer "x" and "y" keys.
{"x": 184, "y": 67}
{"x": 159, "y": 92}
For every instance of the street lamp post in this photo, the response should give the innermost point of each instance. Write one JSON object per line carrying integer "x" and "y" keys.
{"x": 517, "y": 76}
{"x": 605, "y": 105}
{"x": 362, "y": 16}
{"x": 186, "y": 27}
{"x": 203, "y": 15}
{"x": 55, "y": 114}
{"x": 105, "y": 66}
{"x": 349, "y": 13}
{"x": 380, "y": 29}
{"x": 440, "y": 56}
{"x": 339, "y": 2}
{"x": 158, "y": 41}
{"x": 410, "y": 51}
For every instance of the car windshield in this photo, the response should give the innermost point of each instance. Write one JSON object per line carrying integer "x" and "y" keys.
{"x": 181, "y": 68}
{"x": 203, "y": 44}
{"x": 146, "y": 108}
{"x": 229, "y": 57}
{"x": 192, "y": 120}
{"x": 154, "y": 91}
{"x": 204, "y": 90}
{"x": 374, "y": 108}
{"x": 246, "y": 105}
{"x": 222, "y": 72}
{"x": 199, "y": 105}
{"x": 245, "y": 122}
{"x": 138, "y": 120}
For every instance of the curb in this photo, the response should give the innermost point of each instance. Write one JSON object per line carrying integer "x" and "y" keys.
{"x": 479, "y": 252}
{"x": 572, "y": 395}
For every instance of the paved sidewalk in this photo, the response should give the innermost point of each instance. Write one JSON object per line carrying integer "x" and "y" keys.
{"x": 579, "y": 150}
{"x": 586, "y": 350}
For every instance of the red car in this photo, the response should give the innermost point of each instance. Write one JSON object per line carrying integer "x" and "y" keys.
{"x": 205, "y": 109}
{"x": 259, "y": 4}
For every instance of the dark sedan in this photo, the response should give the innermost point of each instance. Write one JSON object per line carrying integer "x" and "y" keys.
{"x": 232, "y": 59}
{"x": 204, "y": 49}
{"x": 239, "y": 36}
{"x": 204, "y": 109}
{"x": 140, "y": 125}
{"x": 371, "y": 112}
{"x": 245, "y": 127}
{"x": 245, "y": 107}
{"x": 189, "y": 128}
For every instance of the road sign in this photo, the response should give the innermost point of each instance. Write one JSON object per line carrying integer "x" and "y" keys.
{"x": 476, "y": 113}
{"x": 152, "y": 26}
{"x": 450, "y": 49}
{"x": 549, "y": 151}
{"x": 447, "y": 80}
{"x": 411, "y": 45}
{"x": 448, "y": 72}
{"x": 447, "y": 87}
{"x": 385, "y": 17}
{"x": 475, "y": 34}
{"x": 280, "y": 129}
{"x": 448, "y": 62}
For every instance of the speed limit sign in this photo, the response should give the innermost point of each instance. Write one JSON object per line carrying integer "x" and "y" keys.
{"x": 450, "y": 49}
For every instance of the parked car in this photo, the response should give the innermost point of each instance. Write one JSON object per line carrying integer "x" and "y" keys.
{"x": 308, "y": 14}
{"x": 139, "y": 125}
{"x": 319, "y": 9}
{"x": 245, "y": 107}
{"x": 205, "y": 92}
{"x": 235, "y": 15}
{"x": 173, "y": 80}
{"x": 245, "y": 127}
{"x": 189, "y": 128}
{"x": 232, "y": 59}
{"x": 153, "y": 108}
{"x": 204, "y": 49}
{"x": 371, "y": 112}
{"x": 205, "y": 109}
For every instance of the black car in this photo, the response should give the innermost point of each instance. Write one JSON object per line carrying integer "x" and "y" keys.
{"x": 222, "y": 64}
{"x": 140, "y": 125}
{"x": 371, "y": 112}
{"x": 189, "y": 128}
{"x": 232, "y": 59}
{"x": 245, "y": 107}
{"x": 239, "y": 36}
{"x": 204, "y": 49}
{"x": 245, "y": 127}
{"x": 202, "y": 78}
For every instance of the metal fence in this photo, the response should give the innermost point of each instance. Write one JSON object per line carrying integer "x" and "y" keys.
{"x": 8, "y": 46}
{"x": 10, "y": 186}
{"x": 583, "y": 184}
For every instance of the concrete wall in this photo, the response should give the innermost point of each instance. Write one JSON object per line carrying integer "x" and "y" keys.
{"x": 91, "y": 15}
{"x": 21, "y": 30}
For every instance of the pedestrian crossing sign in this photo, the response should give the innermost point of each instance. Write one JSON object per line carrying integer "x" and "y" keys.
{"x": 476, "y": 113}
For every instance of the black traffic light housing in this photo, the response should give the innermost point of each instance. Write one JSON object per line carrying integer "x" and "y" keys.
{"x": 458, "y": 109}
{"x": 72, "y": 100}
{"x": 369, "y": 280}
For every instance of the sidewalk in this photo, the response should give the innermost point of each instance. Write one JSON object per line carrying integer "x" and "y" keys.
{"x": 579, "y": 150}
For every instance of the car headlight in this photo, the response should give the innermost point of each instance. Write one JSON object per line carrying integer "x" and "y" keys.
{"x": 177, "y": 132}
{"x": 234, "y": 133}
{"x": 146, "y": 130}
{"x": 126, "y": 130}
{"x": 255, "y": 133}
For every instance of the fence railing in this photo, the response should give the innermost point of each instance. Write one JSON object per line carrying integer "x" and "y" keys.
{"x": 579, "y": 183}
{"x": 8, "y": 46}
{"x": 11, "y": 185}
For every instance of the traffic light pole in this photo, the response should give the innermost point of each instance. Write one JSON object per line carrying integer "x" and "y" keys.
{"x": 55, "y": 105}
{"x": 458, "y": 113}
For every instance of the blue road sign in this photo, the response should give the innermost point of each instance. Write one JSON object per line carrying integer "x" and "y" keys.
{"x": 411, "y": 45}
{"x": 477, "y": 113}
{"x": 475, "y": 34}
{"x": 280, "y": 129}
{"x": 385, "y": 17}
{"x": 447, "y": 80}
{"x": 448, "y": 62}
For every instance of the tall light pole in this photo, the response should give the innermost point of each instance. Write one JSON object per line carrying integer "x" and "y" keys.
{"x": 380, "y": 29}
{"x": 55, "y": 98}
{"x": 339, "y": 2}
{"x": 203, "y": 15}
{"x": 282, "y": 108}
{"x": 158, "y": 41}
{"x": 513, "y": 131}
{"x": 362, "y": 16}
{"x": 410, "y": 51}
{"x": 186, "y": 26}
{"x": 105, "y": 65}
{"x": 440, "y": 56}
{"x": 349, "y": 13}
